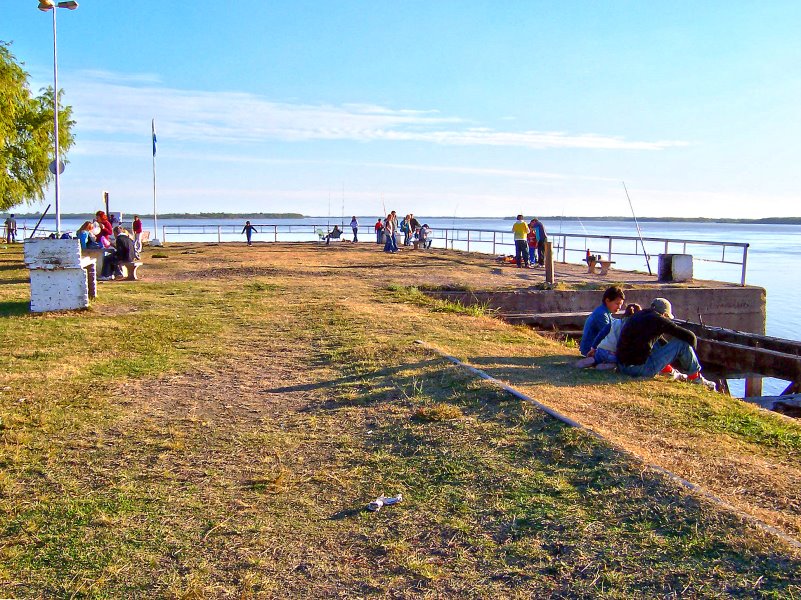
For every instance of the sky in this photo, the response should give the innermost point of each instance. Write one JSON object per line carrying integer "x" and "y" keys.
{"x": 445, "y": 108}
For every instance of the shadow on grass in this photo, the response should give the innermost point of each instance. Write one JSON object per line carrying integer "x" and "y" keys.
{"x": 15, "y": 308}
{"x": 345, "y": 514}
{"x": 329, "y": 383}
{"x": 547, "y": 486}
{"x": 556, "y": 369}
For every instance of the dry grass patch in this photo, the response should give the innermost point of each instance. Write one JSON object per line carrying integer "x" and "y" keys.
{"x": 248, "y": 428}
{"x": 438, "y": 412}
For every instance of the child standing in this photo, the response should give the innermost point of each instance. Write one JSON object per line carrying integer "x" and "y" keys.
{"x": 248, "y": 230}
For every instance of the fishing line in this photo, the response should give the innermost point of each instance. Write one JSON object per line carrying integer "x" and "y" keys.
{"x": 639, "y": 233}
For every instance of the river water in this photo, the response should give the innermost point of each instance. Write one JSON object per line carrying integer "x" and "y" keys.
{"x": 773, "y": 250}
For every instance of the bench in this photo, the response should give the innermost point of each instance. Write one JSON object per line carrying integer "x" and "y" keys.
{"x": 593, "y": 261}
{"x": 324, "y": 237}
{"x": 129, "y": 269}
{"x": 605, "y": 264}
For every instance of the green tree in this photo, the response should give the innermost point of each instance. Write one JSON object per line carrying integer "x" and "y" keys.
{"x": 26, "y": 133}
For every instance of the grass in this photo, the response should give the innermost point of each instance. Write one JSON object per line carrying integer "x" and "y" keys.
{"x": 417, "y": 295}
{"x": 216, "y": 429}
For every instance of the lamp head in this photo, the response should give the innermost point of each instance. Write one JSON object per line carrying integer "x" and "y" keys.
{"x": 45, "y": 5}
{"x": 72, "y": 5}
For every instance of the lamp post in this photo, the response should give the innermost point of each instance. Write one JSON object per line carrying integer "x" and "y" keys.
{"x": 44, "y": 6}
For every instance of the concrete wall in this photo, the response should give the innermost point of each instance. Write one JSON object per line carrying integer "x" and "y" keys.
{"x": 740, "y": 308}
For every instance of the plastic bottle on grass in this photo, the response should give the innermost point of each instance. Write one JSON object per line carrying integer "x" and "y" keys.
{"x": 382, "y": 500}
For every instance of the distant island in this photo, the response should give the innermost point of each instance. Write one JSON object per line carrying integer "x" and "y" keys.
{"x": 262, "y": 215}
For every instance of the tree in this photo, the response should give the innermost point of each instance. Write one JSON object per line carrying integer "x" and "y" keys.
{"x": 26, "y": 133}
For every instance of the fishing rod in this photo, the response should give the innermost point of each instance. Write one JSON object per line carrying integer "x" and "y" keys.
{"x": 39, "y": 222}
{"x": 639, "y": 233}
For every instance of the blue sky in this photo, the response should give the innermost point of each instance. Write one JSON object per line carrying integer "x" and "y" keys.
{"x": 439, "y": 108}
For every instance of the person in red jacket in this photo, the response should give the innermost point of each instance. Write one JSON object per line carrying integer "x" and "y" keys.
{"x": 106, "y": 230}
{"x": 137, "y": 231}
{"x": 379, "y": 229}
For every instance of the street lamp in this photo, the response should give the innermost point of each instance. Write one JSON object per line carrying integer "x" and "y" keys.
{"x": 44, "y": 6}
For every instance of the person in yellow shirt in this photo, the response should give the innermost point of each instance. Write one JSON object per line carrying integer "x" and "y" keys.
{"x": 520, "y": 230}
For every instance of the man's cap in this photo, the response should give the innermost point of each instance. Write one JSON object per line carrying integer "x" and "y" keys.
{"x": 662, "y": 306}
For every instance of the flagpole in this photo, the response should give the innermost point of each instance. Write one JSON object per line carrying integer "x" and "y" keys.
{"x": 155, "y": 241}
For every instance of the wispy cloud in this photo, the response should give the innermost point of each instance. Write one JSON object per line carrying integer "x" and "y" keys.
{"x": 110, "y": 105}
{"x": 134, "y": 149}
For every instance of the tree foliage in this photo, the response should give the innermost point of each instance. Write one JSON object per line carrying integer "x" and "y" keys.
{"x": 26, "y": 132}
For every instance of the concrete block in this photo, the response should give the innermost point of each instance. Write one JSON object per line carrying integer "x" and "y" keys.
{"x": 52, "y": 254}
{"x": 675, "y": 267}
{"x": 58, "y": 289}
{"x": 59, "y": 280}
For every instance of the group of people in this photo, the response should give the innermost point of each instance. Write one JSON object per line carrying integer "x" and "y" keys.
{"x": 413, "y": 232}
{"x": 385, "y": 230}
{"x": 644, "y": 343}
{"x": 113, "y": 240}
{"x": 530, "y": 241}
{"x": 11, "y": 229}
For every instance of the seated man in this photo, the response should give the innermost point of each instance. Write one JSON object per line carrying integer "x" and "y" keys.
{"x": 125, "y": 253}
{"x": 335, "y": 234}
{"x": 611, "y": 302}
{"x": 425, "y": 236}
{"x": 639, "y": 354}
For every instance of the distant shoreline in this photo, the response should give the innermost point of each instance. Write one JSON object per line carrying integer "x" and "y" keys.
{"x": 763, "y": 221}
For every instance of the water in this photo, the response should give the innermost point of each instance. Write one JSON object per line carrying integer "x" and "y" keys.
{"x": 771, "y": 256}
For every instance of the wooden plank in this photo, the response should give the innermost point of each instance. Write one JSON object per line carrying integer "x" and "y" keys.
{"x": 769, "y": 402}
{"x": 736, "y": 357}
{"x": 752, "y": 340}
{"x": 547, "y": 320}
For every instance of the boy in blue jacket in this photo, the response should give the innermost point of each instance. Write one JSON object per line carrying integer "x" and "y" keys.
{"x": 611, "y": 303}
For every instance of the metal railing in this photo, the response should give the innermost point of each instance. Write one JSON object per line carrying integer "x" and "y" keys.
{"x": 24, "y": 232}
{"x": 565, "y": 245}
{"x": 575, "y": 244}
{"x": 289, "y": 233}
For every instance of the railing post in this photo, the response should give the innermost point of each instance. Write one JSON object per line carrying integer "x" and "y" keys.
{"x": 609, "y": 254}
{"x": 275, "y": 233}
{"x": 219, "y": 234}
{"x": 468, "y": 240}
{"x": 163, "y": 233}
{"x": 745, "y": 262}
{"x": 666, "y": 247}
{"x": 493, "y": 242}
{"x": 549, "y": 273}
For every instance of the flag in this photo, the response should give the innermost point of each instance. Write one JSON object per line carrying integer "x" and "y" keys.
{"x": 153, "y": 127}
